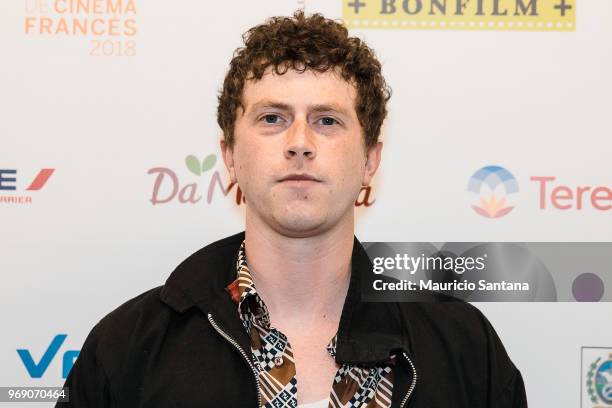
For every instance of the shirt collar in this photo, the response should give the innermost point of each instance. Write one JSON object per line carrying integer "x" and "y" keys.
{"x": 251, "y": 306}
{"x": 244, "y": 293}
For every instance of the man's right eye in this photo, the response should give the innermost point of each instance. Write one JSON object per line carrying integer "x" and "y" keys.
{"x": 270, "y": 118}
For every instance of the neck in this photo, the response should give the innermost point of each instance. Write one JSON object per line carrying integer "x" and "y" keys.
{"x": 301, "y": 280}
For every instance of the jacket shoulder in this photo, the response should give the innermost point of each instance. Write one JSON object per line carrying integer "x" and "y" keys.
{"x": 126, "y": 315}
{"x": 117, "y": 332}
{"x": 148, "y": 310}
{"x": 453, "y": 327}
{"x": 448, "y": 317}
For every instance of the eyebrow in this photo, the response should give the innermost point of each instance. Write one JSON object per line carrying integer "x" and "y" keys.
{"x": 270, "y": 104}
{"x": 325, "y": 107}
{"x": 330, "y": 107}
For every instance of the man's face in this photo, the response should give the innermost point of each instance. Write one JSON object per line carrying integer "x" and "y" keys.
{"x": 299, "y": 154}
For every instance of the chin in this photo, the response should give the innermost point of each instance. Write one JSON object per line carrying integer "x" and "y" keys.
{"x": 296, "y": 225}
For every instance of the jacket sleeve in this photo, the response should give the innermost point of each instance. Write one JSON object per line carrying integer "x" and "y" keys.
{"x": 513, "y": 396}
{"x": 87, "y": 383}
{"x": 506, "y": 387}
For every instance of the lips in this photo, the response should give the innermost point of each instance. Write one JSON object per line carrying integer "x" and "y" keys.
{"x": 299, "y": 177}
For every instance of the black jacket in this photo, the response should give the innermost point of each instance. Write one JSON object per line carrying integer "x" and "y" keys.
{"x": 183, "y": 345}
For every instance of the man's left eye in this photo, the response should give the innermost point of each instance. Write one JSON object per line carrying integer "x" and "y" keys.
{"x": 327, "y": 121}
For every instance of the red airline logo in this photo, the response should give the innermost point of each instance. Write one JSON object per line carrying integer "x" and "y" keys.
{"x": 8, "y": 180}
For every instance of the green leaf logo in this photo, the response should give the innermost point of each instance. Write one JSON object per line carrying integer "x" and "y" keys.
{"x": 194, "y": 166}
{"x": 208, "y": 162}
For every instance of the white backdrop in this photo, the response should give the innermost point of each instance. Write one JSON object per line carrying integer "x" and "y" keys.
{"x": 536, "y": 102}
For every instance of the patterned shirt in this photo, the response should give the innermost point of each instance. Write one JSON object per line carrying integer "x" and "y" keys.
{"x": 353, "y": 386}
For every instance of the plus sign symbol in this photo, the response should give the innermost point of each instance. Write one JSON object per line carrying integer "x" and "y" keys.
{"x": 356, "y": 4}
{"x": 562, "y": 6}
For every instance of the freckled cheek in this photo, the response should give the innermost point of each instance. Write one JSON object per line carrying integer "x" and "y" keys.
{"x": 345, "y": 180}
{"x": 242, "y": 166}
{"x": 352, "y": 169}
{"x": 244, "y": 160}
{"x": 251, "y": 172}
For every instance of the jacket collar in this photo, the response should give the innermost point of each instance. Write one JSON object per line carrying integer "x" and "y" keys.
{"x": 367, "y": 332}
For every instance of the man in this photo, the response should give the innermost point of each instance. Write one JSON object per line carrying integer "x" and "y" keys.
{"x": 272, "y": 317}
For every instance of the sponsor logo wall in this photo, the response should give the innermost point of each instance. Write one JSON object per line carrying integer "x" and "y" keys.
{"x": 111, "y": 174}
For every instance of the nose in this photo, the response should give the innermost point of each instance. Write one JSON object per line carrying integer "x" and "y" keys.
{"x": 300, "y": 141}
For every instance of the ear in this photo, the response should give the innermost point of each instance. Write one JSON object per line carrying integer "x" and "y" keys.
{"x": 372, "y": 162}
{"x": 228, "y": 158}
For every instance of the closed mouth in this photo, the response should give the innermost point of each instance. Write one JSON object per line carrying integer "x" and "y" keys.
{"x": 299, "y": 177}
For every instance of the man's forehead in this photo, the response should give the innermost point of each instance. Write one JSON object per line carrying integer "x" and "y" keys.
{"x": 318, "y": 90}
